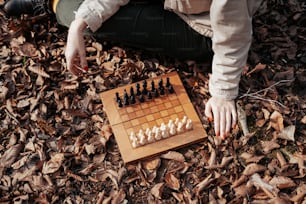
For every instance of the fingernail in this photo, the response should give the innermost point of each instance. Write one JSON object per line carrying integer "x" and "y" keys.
{"x": 85, "y": 68}
{"x": 217, "y": 133}
{"x": 210, "y": 119}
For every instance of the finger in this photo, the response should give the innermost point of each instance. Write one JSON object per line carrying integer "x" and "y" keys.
{"x": 216, "y": 114}
{"x": 228, "y": 123}
{"x": 234, "y": 117}
{"x": 208, "y": 111}
{"x": 222, "y": 124}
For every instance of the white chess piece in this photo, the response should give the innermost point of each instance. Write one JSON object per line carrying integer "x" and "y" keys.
{"x": 184, "y": 120}
{"x": 172, "y": 130}
{"x": 134, "y": 140}
{"x": 142, "y": 138}
{"x": 164, "y": 131}
{"x": 150, "y": 136}
{"x": 177, "y": 120}
{"x": 157, "y": 134}
{"x": 189, "y": 124}
{"x": 170, "y": 123}
{"x": 132, "y": 136}
{"x": 180, "y": 128}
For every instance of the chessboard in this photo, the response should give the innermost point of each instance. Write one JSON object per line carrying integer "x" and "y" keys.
{"x": 147, "y": 105}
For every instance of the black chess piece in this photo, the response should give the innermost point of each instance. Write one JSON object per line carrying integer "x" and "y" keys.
{"x": 170, "y": 89}
{"x": 132, "y": 99}
{"x": 149, "y": 95}
{"x": 138, "y": 92}
{"x": 126, "y": 98}
{"x": 117, "y": 96}
{"x": 152, "y": 86}
{"x": 144, "y": 88}
{"x": 141, "y": 98}
{"x": 160, "y": 84}
{"x": 119, "y": 103}
{"x": 156, "y": 94}
{"x": 161, "y": 90}
{"x": 132, "y": 91}
{"x": 168, "y": 82}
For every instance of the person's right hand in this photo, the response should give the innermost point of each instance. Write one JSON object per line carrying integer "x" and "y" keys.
{"x": 75, "y": 50}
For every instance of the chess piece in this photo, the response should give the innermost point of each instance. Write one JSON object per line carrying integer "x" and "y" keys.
{"x": 117, "y": 96}
{"x": 119, "y": 101}
{"x": 134, "y": 140}
{"x": 189, "y": 124}
{"x": 160, "y": 84}
{"x": 157, "y": 134}
{"x": 132, "y": 91}
{"x": 161, "y": 91}
{"x": 138, "y": 92}
{"x": 156, "y": 94}
{"x": 168, "y": 82}
{"x": 170, "y": 123}
{"x": 180, "y": 127}
{"x": 141, "y": 98}
{"x": 177, "y": 120}
{"x": 164, "y": 131}
{"x": 132, "y": 99}
{"x": 170, "y": 89}
{"x": 184, "y": 120}
{"x": 142, "y": 138}
{"x": 144, "y": 88}
{"x": 149, "y": 95}
{"x": 152, "y": 86}
{"x": 126, "y": 100}
{"x": 150, "y": 136}
{"x": 172, "y": 130}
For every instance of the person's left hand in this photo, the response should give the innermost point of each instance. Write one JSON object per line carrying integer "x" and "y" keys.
{"x": 223, "y": 113}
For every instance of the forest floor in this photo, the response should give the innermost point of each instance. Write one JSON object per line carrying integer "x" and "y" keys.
{"x": 56, "y": 145}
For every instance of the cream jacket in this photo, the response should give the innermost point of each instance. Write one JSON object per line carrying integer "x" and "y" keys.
{"x": 227, "y": 22}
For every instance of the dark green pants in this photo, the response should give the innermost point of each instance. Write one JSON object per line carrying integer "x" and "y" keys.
{"x": 147, "y": 26}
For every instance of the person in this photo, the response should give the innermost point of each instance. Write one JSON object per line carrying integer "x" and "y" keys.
{"x": 179, "y": 28}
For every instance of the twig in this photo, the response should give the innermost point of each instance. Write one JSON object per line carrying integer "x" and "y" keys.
{"x": 256, "y": 95}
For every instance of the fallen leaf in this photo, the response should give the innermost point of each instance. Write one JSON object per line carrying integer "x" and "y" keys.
{"x": 152, "y": 164}
{"x": 287, "y": 133}
{"x": 267, "y": 146}
{"x": 253, "y": 168}
{"x": 172, "y": 155}
{"x": 172, "y": 182}
{"x": 277, "y": 121}
{"x": 157, "y": 190}
{"x": 282, "y": 182}
{"x": 107, "y": 131}
{"x": 53, "y": 164}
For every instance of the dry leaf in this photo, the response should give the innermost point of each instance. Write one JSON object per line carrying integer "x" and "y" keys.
{"x": 267, "y": 146}
{"x": 172, "y": 182}
{"x": 277, "y": 121}
{"x": 267, "y": 188}
{"x": 287, "y": 133}
{"x": 172, "y": 155}
{"x": 53, "y": 164}
{"x": 157, "y": 190}
{"x": 152, "y": 164}
{"x": 253, "y": 168}
{"x": 107, "y": 131}
{"x": 37, "y": 69}
{"x": 282, "y": 182}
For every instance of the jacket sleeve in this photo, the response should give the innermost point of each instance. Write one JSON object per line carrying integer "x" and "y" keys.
{"x": 95, "y": 12}
{"x": 231, "y": 22}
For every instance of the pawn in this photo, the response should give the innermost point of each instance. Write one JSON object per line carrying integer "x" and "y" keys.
{"x": 189, "y": 124}
{"x": 126, "y": 101}
{"x": 119, "y": 101}
{"x": 152, "y": 86}
{"x": 157, "y": 134}
{"x": 184, "y": 120}
{"x": 141, "y": 98}
{"x": 161, "y": 91}
{"x": 156, "y": 94}
{"x": 160, "y": 84}
{"x": 150, "y": 136}
{"x": 138, "y": 92}
{"x": 132, "y": 99}
{"x": 149, "y": 95}
{"x": 180, "y": 127}
{"x": 170, "y": 89}
{"x": 168, "y": 82}
{"x": 117, "y": 96}
{"x": 172, "y": 130}
{"x": 144, "y": 88}
{"x": 132, "y": 91}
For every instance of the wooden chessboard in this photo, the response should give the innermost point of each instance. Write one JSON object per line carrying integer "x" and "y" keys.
{"x": 151, "y": 113}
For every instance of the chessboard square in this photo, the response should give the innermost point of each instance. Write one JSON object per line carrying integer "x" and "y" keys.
{"x": 159, "y": 121}
{"x": 121, "y": 111}
{"x": 161, "y": 106}
{"x": 144, "y": 105}
{"x": 136, "y": 107}
{"x": 135, "y": 122}
{"x": 171, "y": 111}
{"x": 124, "y": 117}
{"x": 156, "y": 115}
{"x": 166, "y": 119}
{"x": 129, "y": 109}
{"x": 168, "y": 105}
{"x": 139, "y": 113}
{"x": 145, "y": 126}
{"x": 149, "y": 118}
{"x": 164, "y": 113}
{"x": 142, "y": 120}
{"x": 127, "y": 124}
{"x": 154, "y": 109}
{"x": 130, "y": 130}
{"x": 181, "y": 115}
{"x": 152, "y": 124}
{"x": 172, "y": 97}
{"x": 131, "y": 116}
{"x": 146, "y": 111}
{"x": 178, "y": 109}
{"x": 158, "y": 100}
{"x": 174, "y": 117}
{"x": 175, "y": 102}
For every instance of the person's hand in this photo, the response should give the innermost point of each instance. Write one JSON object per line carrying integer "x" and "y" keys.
{"x": 75, "y": 50}
{"x": 223, "y": 113}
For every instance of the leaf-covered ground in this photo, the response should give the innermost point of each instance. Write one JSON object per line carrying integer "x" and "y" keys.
{"x": 56, "y": 145}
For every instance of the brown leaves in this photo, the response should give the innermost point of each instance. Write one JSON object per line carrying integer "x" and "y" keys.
{"x": 53, "y": 164}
